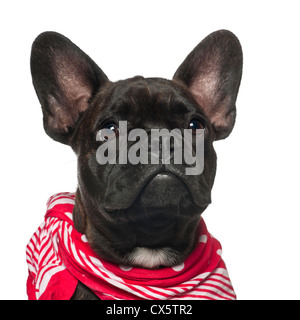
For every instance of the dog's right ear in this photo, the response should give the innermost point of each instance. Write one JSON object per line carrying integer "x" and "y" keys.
{"x": 212, "y": 72}
{"x": 65, "y": 79}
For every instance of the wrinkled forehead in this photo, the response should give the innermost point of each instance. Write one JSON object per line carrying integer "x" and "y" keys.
{"x": 152, "y": 99}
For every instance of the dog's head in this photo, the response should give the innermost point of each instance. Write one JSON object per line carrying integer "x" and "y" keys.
{"x": 138, "y": 212}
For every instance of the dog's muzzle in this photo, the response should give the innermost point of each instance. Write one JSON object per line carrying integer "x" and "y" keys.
{"x": 153, "y": 186}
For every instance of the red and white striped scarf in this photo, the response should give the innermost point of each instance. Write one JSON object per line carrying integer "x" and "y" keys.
{"x": 58, "y": 256}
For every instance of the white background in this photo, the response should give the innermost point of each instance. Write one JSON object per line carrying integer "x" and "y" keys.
{"x": 255, "y": 211}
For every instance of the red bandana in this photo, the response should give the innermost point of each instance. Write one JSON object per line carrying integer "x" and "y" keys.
{"x": 58, "y": 256}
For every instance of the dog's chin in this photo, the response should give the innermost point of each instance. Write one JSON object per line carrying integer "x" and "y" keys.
{"x": 153, "y": 258}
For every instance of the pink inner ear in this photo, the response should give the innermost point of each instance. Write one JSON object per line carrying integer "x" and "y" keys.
{"x": 72, "y": 81}
{"x": 221, "y": 112}
{"x": 76, "y": 93}
{"x": 204, "y": 88}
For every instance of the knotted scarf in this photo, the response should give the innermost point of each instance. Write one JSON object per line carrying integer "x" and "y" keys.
{"x": 58, "y": 256}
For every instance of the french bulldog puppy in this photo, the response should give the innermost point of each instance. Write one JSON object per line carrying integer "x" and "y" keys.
{"x": 143, "y": 215}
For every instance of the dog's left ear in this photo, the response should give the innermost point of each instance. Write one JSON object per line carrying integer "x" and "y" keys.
{"x": 65, "y": 79}
{"x": 212, "y": 72}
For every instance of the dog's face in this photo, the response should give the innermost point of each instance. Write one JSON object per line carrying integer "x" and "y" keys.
{"x": 143, "y": 214}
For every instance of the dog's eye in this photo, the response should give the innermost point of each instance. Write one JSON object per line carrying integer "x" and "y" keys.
{"x": 196, "y": 124}
{"x": 110, "y": 130}
{"x": 111, "y": 126}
